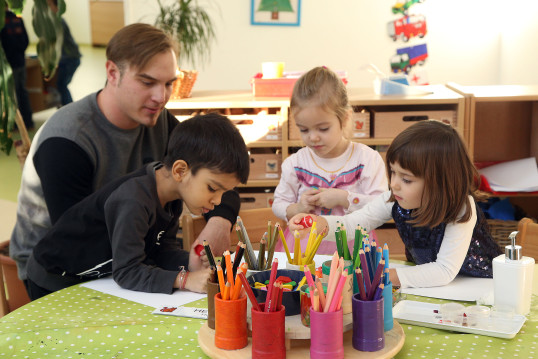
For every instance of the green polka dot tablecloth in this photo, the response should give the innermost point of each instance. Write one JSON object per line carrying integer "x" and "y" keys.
{"x": 79, "y": 322}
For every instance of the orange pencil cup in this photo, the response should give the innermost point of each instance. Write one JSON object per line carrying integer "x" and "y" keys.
{"x": 230, "y": 323}
{"x": 212, "y": 289}
{"x": 268, "y": 333}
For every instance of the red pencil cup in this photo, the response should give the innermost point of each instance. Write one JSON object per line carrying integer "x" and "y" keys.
{"x": 326, "y": 334}
{"x": 268, "y": 333}
{"x": 368, "y": 331}
{"x": 230, "y": 323}
{"x": 212, "y": 289}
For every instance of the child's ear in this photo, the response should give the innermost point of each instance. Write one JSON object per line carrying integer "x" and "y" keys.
{"x": 179, "y": 170}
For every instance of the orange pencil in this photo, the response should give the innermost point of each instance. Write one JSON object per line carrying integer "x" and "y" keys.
{"x": 227, "y": 289}
{"x": 237, "y": 288}
{"x": 229, "y": 268}
{"x": 332, "y": 289}
{"x": 244, "y": 268}
{"x": 322, "y": 299}
{"x": 315, "y": 301}
{"x": 221, "y": 279}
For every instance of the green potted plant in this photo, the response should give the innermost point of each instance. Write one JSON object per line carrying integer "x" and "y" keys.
{"x": 48, "y": 28}
{"x": 192, "y": 27}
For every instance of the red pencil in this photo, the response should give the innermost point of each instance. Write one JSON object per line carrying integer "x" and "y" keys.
{"x": 250, "y": 294}
{"x": 274, "y": 297}
{"x": 272, "y": 278}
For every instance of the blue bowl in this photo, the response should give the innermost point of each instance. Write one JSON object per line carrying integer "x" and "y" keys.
{"x": 290, "y": 300}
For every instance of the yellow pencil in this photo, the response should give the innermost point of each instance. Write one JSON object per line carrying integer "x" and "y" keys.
{"x": 283, "y": 239}
{"x": 297, "y": 248}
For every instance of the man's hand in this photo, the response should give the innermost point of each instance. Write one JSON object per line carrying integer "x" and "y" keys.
{"x": 217, "y": 234}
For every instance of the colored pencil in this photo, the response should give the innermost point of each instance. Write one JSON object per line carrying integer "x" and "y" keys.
{"x": 271, "y": 250}
{"x": 284, "y": 243}
{"x": 227, "y": 289}
{"x": 379, "y": 292}
{"x": 238, "y": 257}
{"x": 365, "y": 271}
{"x": 297, "y": 248}
{"x": 360, "y": 283}
{"x": 236, "y": 289}
{"x": 332, "y": 288}
{"x": 377, "y": 279}
{"x": 272, "y": 278}
{"x": 378, "y": 255}
{"x": 367, "y": 252}
{"x": 334, "y": 265}
{"x": 261, "y": 252}
{"x": 338, "y": 292}
{"x": 322, "y": 298}
{"x": 249, "y": 292}
{"x": 229, "y": 270}
{"x": 209, "y": 254}
{"x": 315, "y": 300}
{"x": 386, "y": 276}
{"x": 250, "y": 250}
{"x": 273, "y": 297}
{"x": 221, "y": 278}
{"x": 386, "y": 255}
{"x": 345, "y": 247}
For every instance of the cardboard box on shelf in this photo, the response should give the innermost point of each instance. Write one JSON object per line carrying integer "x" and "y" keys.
{"x": 360, "y": 125}
{"x": 256, "y": 200}
{"x": 265, "y": 166}
{"x": 388, "y": 124}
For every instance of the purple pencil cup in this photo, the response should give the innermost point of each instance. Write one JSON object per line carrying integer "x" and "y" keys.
{"x": 368, "y": 326}
{"x": 326, "y": 334}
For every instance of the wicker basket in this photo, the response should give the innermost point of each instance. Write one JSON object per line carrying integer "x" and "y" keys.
{"x": 500, "y": 230}
{"x": 183, "y": 85}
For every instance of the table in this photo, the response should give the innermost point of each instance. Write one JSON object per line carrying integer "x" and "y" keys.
{"x": 79, "y": 322}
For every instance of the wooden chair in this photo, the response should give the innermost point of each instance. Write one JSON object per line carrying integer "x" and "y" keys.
{"x": 255, "y": 221}
{"x": 13, "y": 292}
{"x": 528, "y": 237}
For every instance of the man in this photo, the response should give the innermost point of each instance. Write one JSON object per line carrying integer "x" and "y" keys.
{"x": 103, "y": 136}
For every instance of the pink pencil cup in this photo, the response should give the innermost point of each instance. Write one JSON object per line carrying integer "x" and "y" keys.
{"x": 268, "y": 333}
{"x": 326, "y": 334}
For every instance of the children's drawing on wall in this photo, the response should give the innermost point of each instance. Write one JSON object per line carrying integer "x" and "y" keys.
{"x": 275, "y": 12}
{"x": 402, "y": 7}
{"x": 407, "y": 27}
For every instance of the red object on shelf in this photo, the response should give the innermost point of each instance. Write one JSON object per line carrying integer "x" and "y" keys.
{"x": 484, "y": 184}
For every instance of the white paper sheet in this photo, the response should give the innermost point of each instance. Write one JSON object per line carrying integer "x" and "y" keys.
{"x": 513, "y": 176}
{"x": 154, "y": 300}
{"x": 461, "y": 288}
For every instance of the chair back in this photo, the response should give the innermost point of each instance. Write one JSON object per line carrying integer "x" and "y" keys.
{"x": 528, "y": 237}
{"x": 255, "y": 221}
{"x": 14, "y": 294}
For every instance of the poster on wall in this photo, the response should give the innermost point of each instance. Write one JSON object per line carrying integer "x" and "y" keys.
{"x": 275, "y": 12}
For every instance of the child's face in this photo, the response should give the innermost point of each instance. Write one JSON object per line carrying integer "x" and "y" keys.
{"x": 321, "y": 131}
{"x": 203, "y": 191}
{"x": 406, "y": 187}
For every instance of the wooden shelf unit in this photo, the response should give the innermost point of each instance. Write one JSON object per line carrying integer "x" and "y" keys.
{"x": 242, "y": 105}
{"x": 502, "y": 123}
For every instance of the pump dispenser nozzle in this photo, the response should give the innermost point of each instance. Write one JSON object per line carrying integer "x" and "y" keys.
{"x": 512, "y": 251}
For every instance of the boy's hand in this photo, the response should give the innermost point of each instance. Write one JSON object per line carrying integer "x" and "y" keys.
{"x": 197, "y": 280}
{"x": 197, "y": 261}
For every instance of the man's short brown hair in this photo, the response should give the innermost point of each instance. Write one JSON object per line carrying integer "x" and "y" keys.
{"x": 136, "y": 44}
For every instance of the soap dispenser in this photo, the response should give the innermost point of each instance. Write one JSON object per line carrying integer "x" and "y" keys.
{"x": 512, "y": 278}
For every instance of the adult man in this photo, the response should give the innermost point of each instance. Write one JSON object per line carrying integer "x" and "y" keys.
{"x": 90, "y": 142}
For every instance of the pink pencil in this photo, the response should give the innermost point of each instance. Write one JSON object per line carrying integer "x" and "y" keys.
{"x": 338, "y": 292}
{"x": 331, "y": 289}
{"x": 332, "y": 273}
{"x": 308, "y": 275}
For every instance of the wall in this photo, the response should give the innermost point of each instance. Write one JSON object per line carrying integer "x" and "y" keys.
{"x": 469, "y": 42}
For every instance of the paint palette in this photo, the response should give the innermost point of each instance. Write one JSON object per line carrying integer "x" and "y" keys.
{"x": 427, "y": 315}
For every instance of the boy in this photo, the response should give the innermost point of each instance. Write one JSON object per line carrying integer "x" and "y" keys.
{"x": 128, "y": 227}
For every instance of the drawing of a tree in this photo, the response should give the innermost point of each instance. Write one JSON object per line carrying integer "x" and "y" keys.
{"x": 275, "y": 6}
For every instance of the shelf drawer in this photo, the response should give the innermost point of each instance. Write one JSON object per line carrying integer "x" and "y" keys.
{"x": 264, "y": 166}
{"x": 389, "y": 124}
{"x": 256, "y": 200}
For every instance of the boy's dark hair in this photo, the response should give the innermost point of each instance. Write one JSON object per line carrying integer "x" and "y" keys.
{"x": 435, "y": 152}
{"x": 209, "y": 141}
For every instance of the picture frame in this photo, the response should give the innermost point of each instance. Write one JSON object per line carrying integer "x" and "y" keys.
{"x": 289, "y": 13}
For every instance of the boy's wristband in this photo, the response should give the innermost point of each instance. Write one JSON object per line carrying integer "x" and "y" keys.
{"x": 183, "y": 274}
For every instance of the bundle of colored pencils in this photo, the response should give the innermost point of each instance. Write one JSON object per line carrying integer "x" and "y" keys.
{"x": 314, "y": 241}
{"x": 335, "y": 286}
{"x": 373, "y": 274}
{"x": 230, "y": 289}
{"x": 267, "y": 244}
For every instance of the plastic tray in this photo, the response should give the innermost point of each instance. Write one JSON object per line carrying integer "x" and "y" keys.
{"x": 422, "y": 314}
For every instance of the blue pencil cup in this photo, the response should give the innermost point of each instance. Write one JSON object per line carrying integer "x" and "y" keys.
{"x": 387, "y": 307}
